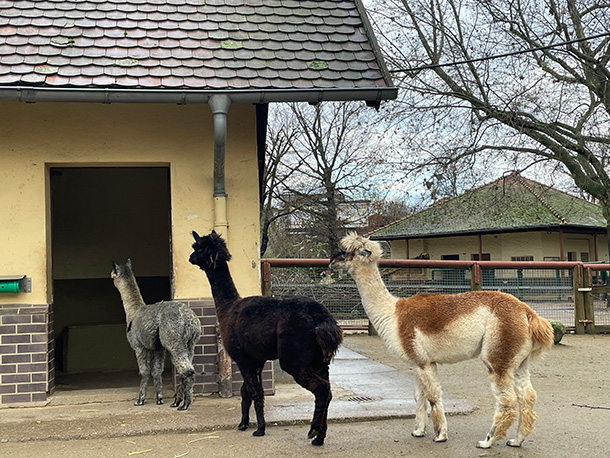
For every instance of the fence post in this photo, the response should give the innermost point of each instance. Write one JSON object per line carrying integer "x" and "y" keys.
{"x": 579, "y": 302}
{"x": 475, "y": 276}
{"x": 266, "y": 279}
{"x": 588, "y": 302}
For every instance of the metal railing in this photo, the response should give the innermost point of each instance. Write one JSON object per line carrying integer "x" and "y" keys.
{"x": 573, "y": 293}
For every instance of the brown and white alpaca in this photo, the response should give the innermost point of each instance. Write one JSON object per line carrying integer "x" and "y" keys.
{"x": 431, "y": 329}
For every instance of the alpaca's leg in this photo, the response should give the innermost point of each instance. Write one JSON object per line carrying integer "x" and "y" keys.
{"x": 186, "y": 372}
{"x": 188, "y": 390}
{"x": 186, "y": 386}
{"x": 503, "y": 388}
{"x": 320, "y": 387}
{"x": 246, "y": 402}
{"x": 421, "y": 405}
{"x": 158, "y": 363}
{"x": 190, "y": 379}
{"x": 252, "y": 382}
{"x": 179, "y": 391}
{"x": 428, "y": 379}
{"x": 319, "y": 440}
{"x": 321, "y": 395}
{"x": 526, "y": 397}
{"x": 144, "y": 358}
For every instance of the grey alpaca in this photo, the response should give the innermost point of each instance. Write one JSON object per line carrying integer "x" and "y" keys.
{"x": 154, "y": 328}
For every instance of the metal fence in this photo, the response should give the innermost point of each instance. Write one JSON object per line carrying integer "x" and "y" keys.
{"x": 572, "y": 293}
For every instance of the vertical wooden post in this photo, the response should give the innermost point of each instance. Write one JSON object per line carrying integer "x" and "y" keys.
{"x": 588, "y": 302}
{"x": 266, "y": 280}
{"x": 225, "y": 372}
{"x": 372, "y": 331}
{"x": 579, "y": 302}
{"x": 475, "y": 275}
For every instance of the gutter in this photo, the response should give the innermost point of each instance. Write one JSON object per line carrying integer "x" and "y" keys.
{"x": 30, "y": 94}
{"x": 220, "y": 104}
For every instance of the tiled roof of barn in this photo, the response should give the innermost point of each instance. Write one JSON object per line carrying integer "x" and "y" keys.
{"x": 222, "y": 45}
{"x": 508, "y": 204}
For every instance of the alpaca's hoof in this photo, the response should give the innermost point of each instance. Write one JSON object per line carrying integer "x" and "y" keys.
{"x": 242, "y": 426}
{"x": 138, "y": 402}
{"x": 184, "y": 406}
{"x": 312, "y": 433}
{"x": 259, "y": 432}
{"x": 484, "y": 444}
{"x": 418, "y": 433}
{"x": 440, "y": 436}
{"x": 513, "y": 443}
{"x": 318, "y": 441}
{"x": 159, "y": 402}
{"x": 176, "y": 403}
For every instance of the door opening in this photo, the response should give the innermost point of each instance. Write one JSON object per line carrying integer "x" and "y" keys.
{"x": 101, "y": 214}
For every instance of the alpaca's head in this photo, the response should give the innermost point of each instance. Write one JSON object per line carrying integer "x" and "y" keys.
{"x": 356, "y": 249}
{"x": 121, "y": 272}
{"x": 208, "y": 250}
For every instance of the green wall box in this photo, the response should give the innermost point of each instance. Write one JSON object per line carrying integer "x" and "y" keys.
{"x": 15, "y": 284}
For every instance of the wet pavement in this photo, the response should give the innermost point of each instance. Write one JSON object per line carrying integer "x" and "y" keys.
{"x": 362, "y": 390}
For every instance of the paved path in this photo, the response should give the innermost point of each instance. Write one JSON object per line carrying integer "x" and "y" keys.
{"x": 362, "y": 390}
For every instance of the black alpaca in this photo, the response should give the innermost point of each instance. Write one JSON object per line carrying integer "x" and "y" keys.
{"x": 298, "y": 331}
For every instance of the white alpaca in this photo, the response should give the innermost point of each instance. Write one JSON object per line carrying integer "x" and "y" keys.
{"x": 431, "y": 329}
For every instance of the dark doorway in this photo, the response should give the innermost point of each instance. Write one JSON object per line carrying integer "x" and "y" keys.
{"x": 101, "y": 214}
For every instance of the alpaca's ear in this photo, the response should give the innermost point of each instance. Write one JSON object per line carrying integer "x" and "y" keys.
{"x": 196, "y": 236}
{"x": 128, "y": 263}
{"x": 114, "y": 268}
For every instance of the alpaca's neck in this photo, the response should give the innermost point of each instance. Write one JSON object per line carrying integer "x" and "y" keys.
{"x": 223, "y": 289}
{"x": 377, "y": 301}
{"x": 131, "y": 296}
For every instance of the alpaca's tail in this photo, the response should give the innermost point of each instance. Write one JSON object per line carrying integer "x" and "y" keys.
{"x": 329, "y": 336}
{"x": 541, "y": 332}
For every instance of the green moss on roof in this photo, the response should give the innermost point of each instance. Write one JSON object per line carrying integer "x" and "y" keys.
{"x": 510, "y": 203}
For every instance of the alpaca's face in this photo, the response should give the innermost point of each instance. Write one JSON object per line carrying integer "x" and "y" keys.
{"x": 120, "y": 271}
{"x": 208, "y": 250}
{"x": 339, "y": 261}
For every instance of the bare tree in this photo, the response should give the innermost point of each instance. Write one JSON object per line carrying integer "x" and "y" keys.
{"x": 276, "y": 176}
{"x": 321, "y": 158}
{"x": 388, "y": 210}
{"x": 546, "y": 100}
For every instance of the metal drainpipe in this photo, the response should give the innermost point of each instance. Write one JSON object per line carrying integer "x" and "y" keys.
{"x": 219, "y": 104}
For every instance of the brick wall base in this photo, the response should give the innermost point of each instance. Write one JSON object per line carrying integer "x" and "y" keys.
{"x": 27, "y": 355}
{"x": 25, "y": 371}
{"x": 206, "y": 353}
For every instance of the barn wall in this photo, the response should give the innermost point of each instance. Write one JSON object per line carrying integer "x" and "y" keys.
{"x": 37, "y": 137}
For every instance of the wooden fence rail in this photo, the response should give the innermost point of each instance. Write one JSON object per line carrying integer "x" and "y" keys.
{"x": 582, "y": 276}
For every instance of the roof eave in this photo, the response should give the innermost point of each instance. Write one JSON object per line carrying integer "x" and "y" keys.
{"x": 549, "y": 227}
{"x": 368, "y": 28}
{"x": 188, "y": 96}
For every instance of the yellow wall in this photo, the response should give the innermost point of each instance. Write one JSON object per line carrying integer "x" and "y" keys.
{"x": 35, "y": 137}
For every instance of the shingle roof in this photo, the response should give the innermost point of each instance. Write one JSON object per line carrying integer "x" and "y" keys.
{"x": 217, "y": 45}
{"x": 508, "y": 204}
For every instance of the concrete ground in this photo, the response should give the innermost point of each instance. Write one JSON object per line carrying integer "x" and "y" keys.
{"x": 371, "y": 414}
